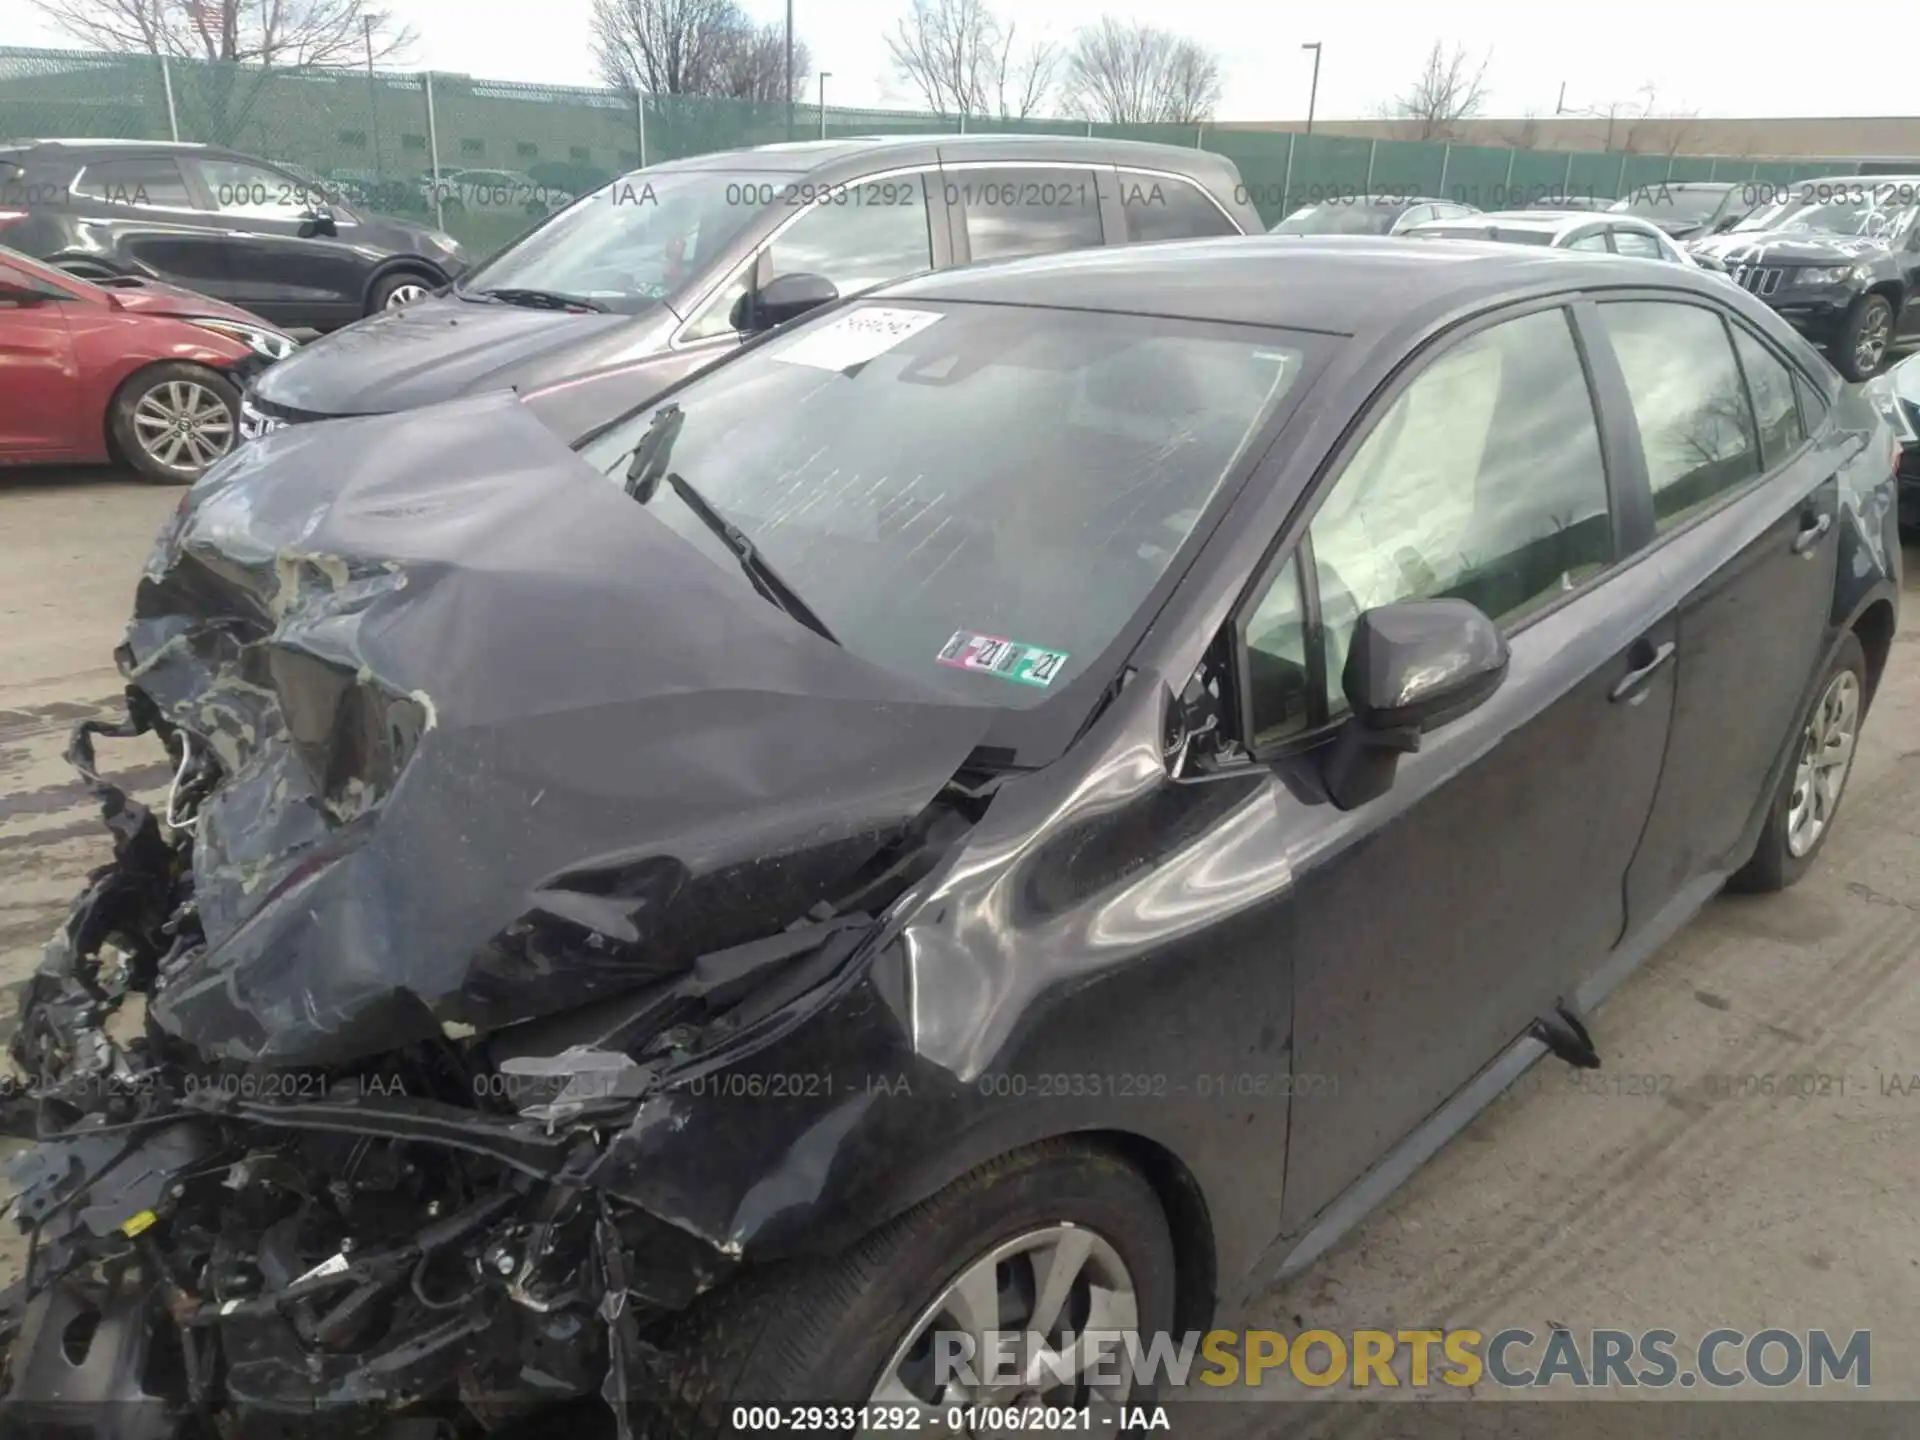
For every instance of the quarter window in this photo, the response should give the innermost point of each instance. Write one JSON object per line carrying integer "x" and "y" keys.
{"x": 1482, "y": 481}
{"x": 1695, "y": 425}
{"x": 1596, "y": 241}
{"x": 1019, "y": 211}
{"x": 871, "y": 232}
{"x": 1161, "y": 208}
{"x": 149, "y": 180}
{"x": 1770, "y": 384}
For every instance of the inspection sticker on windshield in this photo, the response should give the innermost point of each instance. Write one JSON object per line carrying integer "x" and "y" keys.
{"x": 856, "y": 337}
{"x": 1009, "y": 659}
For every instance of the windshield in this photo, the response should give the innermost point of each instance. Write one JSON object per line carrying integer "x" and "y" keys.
{"x": 1871, "y": 213}
{"x": 629, "y": 243}
{"x": 1665, "y": 202}
{"x": 977, "y": 496}
{"x": 1339, "y": 220}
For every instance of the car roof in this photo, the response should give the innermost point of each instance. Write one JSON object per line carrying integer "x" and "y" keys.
{"x": 1334, "y": 284}
{"x": 1653, "y": 185}
{"x": 800, "y": 156}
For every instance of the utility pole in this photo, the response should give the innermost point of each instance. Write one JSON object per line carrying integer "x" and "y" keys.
{"x": 789, "y": 69}
{"x": 373, "y": 94}
{"x": 823, "y": 102}
{"x": 1313, "y": 93}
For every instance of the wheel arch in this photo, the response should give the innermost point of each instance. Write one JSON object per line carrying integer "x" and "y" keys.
{"x": 1890, "y": 290}
{"x": 116, "y": 453}
{"x": 1184, "y": 1203}
{"x": 400, "y": 265}
{"x": 1875, "y": 629}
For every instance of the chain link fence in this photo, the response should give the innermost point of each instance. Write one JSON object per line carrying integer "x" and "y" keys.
{"x": 489, "y": 157}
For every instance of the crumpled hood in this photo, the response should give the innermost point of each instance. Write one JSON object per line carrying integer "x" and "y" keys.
{"x": 1787, "y": 247}
{"x": 155, "y": 297}
{"x": 437, "y": 349}
{"x": 495, "y": 741}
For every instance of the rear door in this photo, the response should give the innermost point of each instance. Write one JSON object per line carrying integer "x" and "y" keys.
{"x": 1158, "y": 206}
{"x": 141, "y": 214}
{"x": 39, "y": 381}
{"x": 1746, "y": 516}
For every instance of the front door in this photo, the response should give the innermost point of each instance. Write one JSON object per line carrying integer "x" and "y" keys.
{"x": 38, "y": 382}
{"x": 266, "y": 264}
{"x": 1751, "y": 510}
{"x": 1433, "y": 923}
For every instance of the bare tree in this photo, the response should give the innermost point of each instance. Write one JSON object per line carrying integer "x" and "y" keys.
{"x": 946, "y": 50}
{"x": 692, "y": 47}
{"x": 1521, "y": 134}
{"x": 278, "y": 34}
{"x": 1133, "y": 74}
{"x": 1451, "y": 88}
{"x": 1023, "y": 83}
{"x": 1656, "y": 131}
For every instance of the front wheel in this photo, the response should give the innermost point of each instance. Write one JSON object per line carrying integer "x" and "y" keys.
{"x": 1864, "y": 338}
{"x": 1808, "y": 799}
{"x": 171, "y": 421}
{"x": 1064, "y": 1241}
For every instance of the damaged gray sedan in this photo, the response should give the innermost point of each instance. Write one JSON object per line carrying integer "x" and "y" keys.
{"x": 993, "y": 822}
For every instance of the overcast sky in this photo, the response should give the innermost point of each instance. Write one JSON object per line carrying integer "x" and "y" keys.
{"x": 1700, "y": 58}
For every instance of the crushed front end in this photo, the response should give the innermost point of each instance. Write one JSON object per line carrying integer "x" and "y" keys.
{"x": 478, "y": 843}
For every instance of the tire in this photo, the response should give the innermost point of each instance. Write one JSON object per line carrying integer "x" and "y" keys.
{"x": 1784, "y": 853}
{"x": 822, "y": 1332}
{"x": 175, "y": 389}
{"x": 393, "y": 290}
{"x": 1870, "y": 315}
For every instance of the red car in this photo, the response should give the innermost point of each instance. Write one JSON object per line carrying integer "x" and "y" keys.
{"x": 131, "y": 370}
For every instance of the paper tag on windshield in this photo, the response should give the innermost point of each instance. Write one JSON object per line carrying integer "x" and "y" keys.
{"x": 856, "y": 337}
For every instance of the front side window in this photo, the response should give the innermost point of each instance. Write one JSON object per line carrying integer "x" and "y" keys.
{"x": 1687, "y": 395}
{"x": 979, "y": 497}
{"x": 865, "y": 234}
{"x": 238, "y": 188}
{"x": 1160, "y": 207}
{"x": 631, "y": 243}
{"x": 1020, "y": 211}
{"x": 1595, "y": 241}
{"x": 1482, "y": 481}
{"x": 147, "y": 180}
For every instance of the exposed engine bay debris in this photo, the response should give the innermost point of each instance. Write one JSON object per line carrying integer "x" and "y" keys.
{"x": 349, "y": 1071}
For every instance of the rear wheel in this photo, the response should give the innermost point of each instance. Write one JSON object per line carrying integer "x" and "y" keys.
{"x": 172, "y": 421}
{"x": 1808, "y": 799}
{"x": 1064, "y": 1239}
{"x": 1864, "y": 338}
{"x": 397, "y": 290}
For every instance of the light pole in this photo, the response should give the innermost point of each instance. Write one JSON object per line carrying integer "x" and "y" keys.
{"x": 1313, "y": 94}
{"x": 789, "y": 69}
{"x": 823, "y": 102}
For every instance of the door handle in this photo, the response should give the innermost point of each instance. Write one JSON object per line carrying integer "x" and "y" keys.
{"x": 1629, "y": 685}
{"x": 1810, "y": 534}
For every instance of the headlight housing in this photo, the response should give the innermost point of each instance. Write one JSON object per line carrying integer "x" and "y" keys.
{"x": 267, "y": 344}
{"x": 1829, "y": 274}
{"x": 1880, "y": 393}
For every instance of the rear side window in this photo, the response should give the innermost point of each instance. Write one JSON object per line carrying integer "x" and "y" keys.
{"x": 1770, "y": 384}
{"x": 137, "y": 180}
{"x": 1020, "y": 211}
{"x": 1595, "y": 241}
{"x": 1161, "y": 208}
{"x": 1641, "y": 247}
{"x": 1687, "y": 395}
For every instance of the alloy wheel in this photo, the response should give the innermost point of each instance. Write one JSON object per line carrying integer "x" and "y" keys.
{"x": 404, "y": 294}
{"x": 1871, "y": 343}
{"x": 1826, "y": 756}
{"x": 1062, "y": 1283}
{"x": 183, "y": 425}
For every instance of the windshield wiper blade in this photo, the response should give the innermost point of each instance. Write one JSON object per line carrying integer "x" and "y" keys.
{"x": 544, "y": 299}
{"x": 764, "y": 577}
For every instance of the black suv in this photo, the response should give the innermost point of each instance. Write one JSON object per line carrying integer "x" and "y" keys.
{"x": 243, "y": 230}
{"x": 1839, "y": 259}
{"x": 656, "y": 274}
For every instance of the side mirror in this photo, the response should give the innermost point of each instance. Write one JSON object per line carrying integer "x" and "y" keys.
{"x": 1411, "y": 667}
{"x": 783, "y": 298}
{"x": 318, "y": 222}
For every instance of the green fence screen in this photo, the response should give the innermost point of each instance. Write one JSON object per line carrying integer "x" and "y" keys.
{"x": 384, "y": 135}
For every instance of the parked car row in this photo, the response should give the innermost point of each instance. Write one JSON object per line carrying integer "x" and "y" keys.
{"x": 854, "y": 833}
